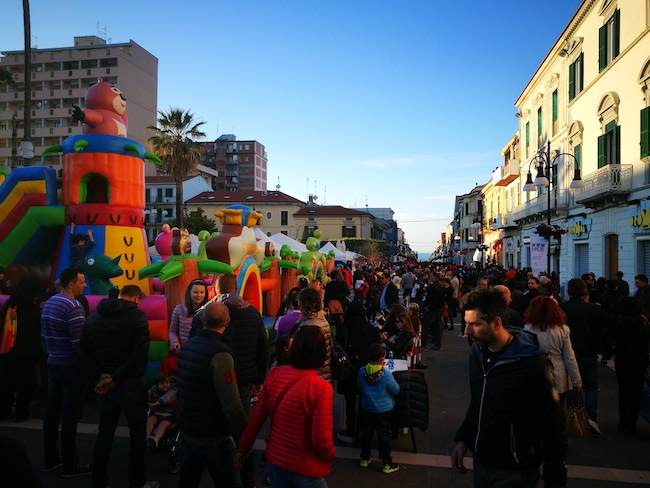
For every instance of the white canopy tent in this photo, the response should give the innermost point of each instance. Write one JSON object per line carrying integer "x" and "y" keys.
{"x": 280, "y": 240}
{"x": 338, "y": 255}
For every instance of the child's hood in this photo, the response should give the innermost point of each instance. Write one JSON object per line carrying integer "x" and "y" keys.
{"x": 373, "y": 373}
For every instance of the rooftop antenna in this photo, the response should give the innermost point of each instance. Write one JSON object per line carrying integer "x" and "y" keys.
{"x": 277, "y": 187}
{"x": 315, "y": 190}
{"x": 366, "y": 201}
{"x": 307, "y": 187}
{"x": 102, "y": 33}
{"x": 325, "y": 197}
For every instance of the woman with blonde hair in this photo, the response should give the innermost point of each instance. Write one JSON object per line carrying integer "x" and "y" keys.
{"x": 547, "y": 321}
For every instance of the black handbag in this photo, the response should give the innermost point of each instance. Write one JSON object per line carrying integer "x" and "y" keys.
{"x": 343, "y": 368}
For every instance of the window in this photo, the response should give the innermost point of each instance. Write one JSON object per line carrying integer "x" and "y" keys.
{"x": 349, "y": 231}
{"x": 147, "y": 195}
{"x": 609, "y": 41}
{"x": 609, "y": 145}
{"x": 539, "y": 126}
{"x": 284, "y": 217}
{"x": 576, "y": 77}
{"x": 169, "y": 192}
{"x": 159, "y": 194}
{"x": 645, "y": 132}
{"x": 554, "y": 112}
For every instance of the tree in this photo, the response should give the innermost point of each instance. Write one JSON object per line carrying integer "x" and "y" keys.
{"x": 196, "y": 221}
{"x": 175, "y": 143}
{"x": 6, "y": 79}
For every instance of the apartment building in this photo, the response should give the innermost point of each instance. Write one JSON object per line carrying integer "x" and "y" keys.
{"x": 59, "y": 80}
{"x": 241, "y": 165}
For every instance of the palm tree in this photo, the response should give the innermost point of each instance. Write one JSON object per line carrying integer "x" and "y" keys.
{"x": 175, "y": 143}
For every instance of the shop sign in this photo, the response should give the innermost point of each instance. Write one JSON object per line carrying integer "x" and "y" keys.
{"x": 640, "y": 217}
{"x": 579, "y": 227}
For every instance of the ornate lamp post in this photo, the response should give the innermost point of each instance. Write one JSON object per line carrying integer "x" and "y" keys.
{"x": 544, "y": 165}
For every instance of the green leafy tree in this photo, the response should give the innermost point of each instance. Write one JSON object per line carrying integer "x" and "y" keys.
{"x": 6, "y": 79}
{"x": 175, "y": 143}
{"x": 196, "y": 221}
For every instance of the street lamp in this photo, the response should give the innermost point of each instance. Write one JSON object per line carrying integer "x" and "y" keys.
{"x": 544, "y": 165}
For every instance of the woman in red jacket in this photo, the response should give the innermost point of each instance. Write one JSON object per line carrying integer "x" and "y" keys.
{"x": 300, "y": 450}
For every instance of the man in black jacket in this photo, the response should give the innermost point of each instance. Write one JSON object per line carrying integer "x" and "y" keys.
{"x": 209, "y": 410}
{"x": 114, "y": 347}
{"x": 514, "y": 421}
{"x": 587, "y": 324}
{"x": 435, "y": 301}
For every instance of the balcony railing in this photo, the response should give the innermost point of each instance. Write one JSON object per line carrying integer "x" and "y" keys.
{"x": 559, "y": 200}
{"x": 613, "y": 179}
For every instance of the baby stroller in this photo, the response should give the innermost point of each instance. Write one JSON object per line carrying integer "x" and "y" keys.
{"x": 170, "y": 439}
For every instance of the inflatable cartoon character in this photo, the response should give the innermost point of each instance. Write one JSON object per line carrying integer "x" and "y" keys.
{"x": 105, "y": 111}
{"x": 237, "y": 239}
{"x": 163, "y": 242}
{"x": 313, "y": 262}
{"x": 181, "y": 243}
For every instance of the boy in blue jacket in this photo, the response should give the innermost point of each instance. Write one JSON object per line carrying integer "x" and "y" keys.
{"x": 378, "y": 389}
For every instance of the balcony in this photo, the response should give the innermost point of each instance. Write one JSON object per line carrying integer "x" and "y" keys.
{"x": 506, "y": 174}
{"x": 539, "y": 205}
{"x": 611, "y": 183}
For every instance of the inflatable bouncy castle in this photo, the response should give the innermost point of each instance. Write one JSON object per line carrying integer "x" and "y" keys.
{"x": 102, "y": 190}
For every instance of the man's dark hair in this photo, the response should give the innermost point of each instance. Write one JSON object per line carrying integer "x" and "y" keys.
{"x": 69, "y": 275}
{"x": 619, "y": 274}
{"x": 376, "y": 352}
{"x": 308, "y": 350}
{"x": 131, "y": 291}
{"x": 585, "y": 277}
{"x": 227, "y": 283}
{"x": 489, "y": 303}
{"x": 534, "y": 279}
{"x": 294, "y": 297}
{"x": 576, "y": 288}
{"x": 642, "y": 278}
{"x": 77, "y": 238}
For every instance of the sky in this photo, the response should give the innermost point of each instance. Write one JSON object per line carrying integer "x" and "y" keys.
{"x": 385, "y": 103}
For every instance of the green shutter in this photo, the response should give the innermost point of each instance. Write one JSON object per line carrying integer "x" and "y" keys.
{"x": 539, "y": 122}
{"x": 572, "y": 76}
{"x": 645, "y": 132}
{"x": 616, "y": 143}
{"x": 577, "y": 153}
{"x": 601, "y": 151}
{"x": 554, "y": 99}
{"x": 616, "y": 42}
{"x": 610, "y": 126}
{"x": 602, "y": 48}
{"x": 582, "y": 72}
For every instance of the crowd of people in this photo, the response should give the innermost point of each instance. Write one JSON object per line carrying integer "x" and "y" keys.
{"x": 551, "y": 339}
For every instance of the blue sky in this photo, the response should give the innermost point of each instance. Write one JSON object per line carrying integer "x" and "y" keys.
{"x": 401, "y": 104}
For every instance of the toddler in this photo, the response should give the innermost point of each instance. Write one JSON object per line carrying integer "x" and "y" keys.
{"x": 162, "y": 405}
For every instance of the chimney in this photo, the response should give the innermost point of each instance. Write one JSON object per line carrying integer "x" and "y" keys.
{"x": 311, "y": 199}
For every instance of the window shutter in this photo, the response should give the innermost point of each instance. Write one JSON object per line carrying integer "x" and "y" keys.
{"x": 577, "y": 153}
{"x": 582, "y": 259}
{"x": 602, "y": 48}
{"x": 616, "y": 42}
{"x": 645, "y": 132}
{"x": 572, "y": 76}
{"x": 601, "y": 151}
{"x": 646, "y": 257}
{"x": 616, "y": 142}
{"x": 555, "y": 106}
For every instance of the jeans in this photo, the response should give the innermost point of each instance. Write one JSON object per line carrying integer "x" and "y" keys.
{"x": 129, "y": 397}
{"x": 281, "y": 478}
{"x": 588, "y": 367}
{"x": 64, "y": 397}
{"x": 436, "y": 326}
{"x": 219, "y": 461}
{"x": 247, "y": 472}
{"x": 489, "y": 476}
{"x": 381, "y": 423}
